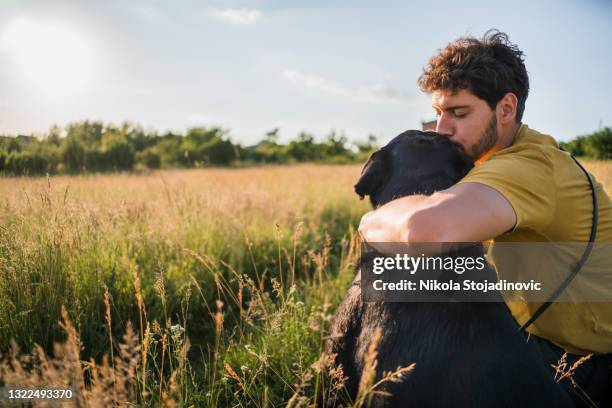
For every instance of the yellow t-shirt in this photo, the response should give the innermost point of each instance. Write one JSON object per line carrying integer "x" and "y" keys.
{"x": 552, "y": 200}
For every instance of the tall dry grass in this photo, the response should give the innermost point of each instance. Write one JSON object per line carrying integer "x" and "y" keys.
{"x": 245, "y": 263}
{"x": 602, "y": 170}
{"x": 64, "y": 239}
{"x": 191, "y": 287}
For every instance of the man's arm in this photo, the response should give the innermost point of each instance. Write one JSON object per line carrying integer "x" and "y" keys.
{"x": 467, "y": 212}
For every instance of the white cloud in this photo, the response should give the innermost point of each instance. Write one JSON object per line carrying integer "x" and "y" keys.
{"x": 242, "y": 16}
{"x": 314, "y": 82}
{"x": 378, "y": 93}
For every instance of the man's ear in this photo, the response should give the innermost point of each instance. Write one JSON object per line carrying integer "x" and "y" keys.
{"x": 508, "y": 106}
{"x": 374, "y": 174}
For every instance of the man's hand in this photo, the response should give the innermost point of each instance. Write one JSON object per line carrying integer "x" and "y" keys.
{"x": 467, "y": 212}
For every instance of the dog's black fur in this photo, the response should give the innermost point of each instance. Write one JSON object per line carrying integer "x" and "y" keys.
{"x": 466, "y": 354}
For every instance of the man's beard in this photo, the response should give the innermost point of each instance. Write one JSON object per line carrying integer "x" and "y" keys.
{"x": 487, "y": 141}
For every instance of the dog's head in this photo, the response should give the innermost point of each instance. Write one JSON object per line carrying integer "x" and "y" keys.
{"x": 414, "y": 162}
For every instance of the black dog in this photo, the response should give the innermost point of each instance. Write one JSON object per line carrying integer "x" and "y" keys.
{"x": 466, "y": 354}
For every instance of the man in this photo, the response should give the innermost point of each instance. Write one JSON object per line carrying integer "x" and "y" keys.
{"x": 522, "y": 189}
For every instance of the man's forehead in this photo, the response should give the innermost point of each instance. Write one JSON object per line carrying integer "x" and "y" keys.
{"x": 445, "y": 99}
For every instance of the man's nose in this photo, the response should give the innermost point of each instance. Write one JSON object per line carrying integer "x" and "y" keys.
{"x": 445, "y": 126}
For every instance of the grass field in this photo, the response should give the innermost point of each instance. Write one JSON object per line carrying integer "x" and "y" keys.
{"x": 190, "y": 287}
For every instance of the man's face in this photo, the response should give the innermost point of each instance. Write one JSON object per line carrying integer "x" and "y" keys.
{"x": 467, "y": 120}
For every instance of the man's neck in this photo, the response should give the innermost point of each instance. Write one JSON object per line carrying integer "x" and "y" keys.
{"x": 508, "y": 136}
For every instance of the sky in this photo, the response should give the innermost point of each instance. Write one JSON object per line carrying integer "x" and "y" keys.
{"x": 316, "y": 66}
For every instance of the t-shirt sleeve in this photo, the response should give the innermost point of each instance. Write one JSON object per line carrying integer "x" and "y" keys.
{"x": 526, "y": 179}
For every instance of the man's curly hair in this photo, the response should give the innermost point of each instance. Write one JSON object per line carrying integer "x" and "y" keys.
{"x": 489, "y": 68}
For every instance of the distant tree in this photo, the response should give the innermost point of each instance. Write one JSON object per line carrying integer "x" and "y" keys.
{"x": 369, "y": 145}
{"x": 89, "y": 133}
{"x": 149, "y": 158}
{"x": 137, "y": 137}
{"x": 575, "y": 147}
{"x": 201, "y": 146}
{"x": 304, "y": 148}
{"x": 219, "y": 151}
{"x": 51, "y": 154}
{"x": 54, "y": 136}
{"x": 168, "y": 149}
{"x": 27, "y": 163}
{"x": 118, "y": 154}
{"x": 599, "y": 144}
{"x": 73, "y": 153}
{"x": 10, "y": 144}
{"x": 268, "y": 150}
{"x": 272, "y": 136}
{"x": 95, "y": 159}
{"x": 335, "y": 148}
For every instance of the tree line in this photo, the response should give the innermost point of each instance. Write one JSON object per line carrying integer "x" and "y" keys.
{"x": 597, "y": 145}
{"x": 91, "y": 146}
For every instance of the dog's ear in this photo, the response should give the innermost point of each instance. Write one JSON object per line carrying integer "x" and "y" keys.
{"x": 374, "y": 174}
